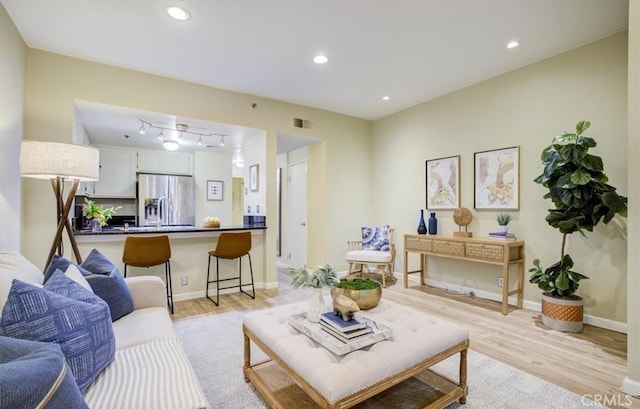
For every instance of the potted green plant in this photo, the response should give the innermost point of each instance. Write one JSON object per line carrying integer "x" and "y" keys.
{"x": 364, "y": 291}
{"x": 503, "y": 220}
{"x": 322, "y": 276}
{"x": 577, "y": 186}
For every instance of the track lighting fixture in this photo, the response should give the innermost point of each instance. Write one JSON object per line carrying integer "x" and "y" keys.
{"x": 182, "y": 130}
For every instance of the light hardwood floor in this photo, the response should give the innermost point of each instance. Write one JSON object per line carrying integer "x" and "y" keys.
{"x": 592, "y": 363}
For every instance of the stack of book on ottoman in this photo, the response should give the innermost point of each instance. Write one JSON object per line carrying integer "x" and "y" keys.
{"x": 341, "y": 337}
{"x": 345, "y": 331}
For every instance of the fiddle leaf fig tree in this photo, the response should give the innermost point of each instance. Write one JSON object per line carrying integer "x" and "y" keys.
{"x": 577, "y": 186}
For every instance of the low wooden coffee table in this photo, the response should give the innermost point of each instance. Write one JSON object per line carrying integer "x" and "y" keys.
{"x": 300, "y": 372}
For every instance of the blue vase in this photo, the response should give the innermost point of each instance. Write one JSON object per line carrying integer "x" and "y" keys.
{"x": 433, "y": 224}
{"x": 422, "y": 227}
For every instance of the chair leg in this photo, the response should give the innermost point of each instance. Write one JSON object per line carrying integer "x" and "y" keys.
{"x": 125, "y": 271}
{"x": 217, "y": 280}
{"x": 208, "y": 282}
{"x": 167, "y": 275}
{"x": 253, "y": 288}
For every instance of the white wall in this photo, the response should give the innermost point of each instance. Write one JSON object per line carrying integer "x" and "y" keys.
{"x": 213, "y": 166}
{"x": 526, "y": 107}
{"x": 632, "y": 382}
{"x": 255, "y": 201}
{"x": 13, "y": 60}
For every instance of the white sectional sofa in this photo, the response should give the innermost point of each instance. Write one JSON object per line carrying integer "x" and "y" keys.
{"x": 150, "y": 369}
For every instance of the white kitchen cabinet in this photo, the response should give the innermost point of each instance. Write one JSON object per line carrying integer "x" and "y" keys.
{"x": 117, "y": 174}
{"x": 173, "y": 163}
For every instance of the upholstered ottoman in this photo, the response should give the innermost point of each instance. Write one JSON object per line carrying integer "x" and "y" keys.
{"x": 419, "y": 341}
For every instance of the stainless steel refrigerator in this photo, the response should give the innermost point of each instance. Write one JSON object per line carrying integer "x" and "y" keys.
{"x": 166, "y": 199}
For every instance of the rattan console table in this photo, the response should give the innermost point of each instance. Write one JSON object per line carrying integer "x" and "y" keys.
{"x": 497, "y": 252}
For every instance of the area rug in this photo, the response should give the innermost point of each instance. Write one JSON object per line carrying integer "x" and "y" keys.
{"x": 214, "y": 345}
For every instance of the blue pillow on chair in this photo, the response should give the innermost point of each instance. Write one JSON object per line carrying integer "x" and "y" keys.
{"x": 65, "y": 313}
{"x": 107, "y": 282}
{"x": 376, "y": 238}
{"x": 35, "y": 374}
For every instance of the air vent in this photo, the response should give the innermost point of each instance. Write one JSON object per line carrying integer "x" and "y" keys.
{"x": 302, "y": 123}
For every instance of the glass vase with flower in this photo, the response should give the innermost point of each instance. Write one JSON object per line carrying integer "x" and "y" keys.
{"x": 98, "y": 214}
{"x": 322, "y": 276}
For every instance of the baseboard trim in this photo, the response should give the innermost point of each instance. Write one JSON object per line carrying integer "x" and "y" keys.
{"x": 530, "y": 305}
{"x": 201, "y": 294}
{"x": 631, "y": 387}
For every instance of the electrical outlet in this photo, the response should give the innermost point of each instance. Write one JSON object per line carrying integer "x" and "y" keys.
{"x": 500, "y": 281}
{"x": 184, "y": 280}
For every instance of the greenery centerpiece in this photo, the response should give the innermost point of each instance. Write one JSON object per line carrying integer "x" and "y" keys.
{"x": 577, "y": 186}
{"x": 322, "y": 276}
{"x": 98, "y": 213}
{"x": 365, "y": 292}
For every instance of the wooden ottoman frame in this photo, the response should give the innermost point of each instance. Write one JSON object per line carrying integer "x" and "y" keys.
{"x": 253, "y": 373}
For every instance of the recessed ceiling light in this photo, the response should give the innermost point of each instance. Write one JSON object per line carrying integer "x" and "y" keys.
{"x": 386, "y": 98}
{"x": 178, "y": 13}
{"x": 320, "y": 59}
{"x": 170, "y": 145}
{"x": 513, "y": 44}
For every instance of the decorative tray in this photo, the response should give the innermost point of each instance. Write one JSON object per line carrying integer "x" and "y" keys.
{"x": 315, "y": 332}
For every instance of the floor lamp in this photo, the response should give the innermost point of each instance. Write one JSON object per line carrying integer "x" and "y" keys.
{"x": 58, "y": 162}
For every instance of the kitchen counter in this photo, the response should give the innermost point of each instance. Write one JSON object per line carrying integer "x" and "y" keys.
{"x": 164, "y": 229}
{"x": 190, "y": 246}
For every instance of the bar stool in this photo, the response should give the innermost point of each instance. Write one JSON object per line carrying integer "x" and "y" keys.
{"x": 148, "y": 252}
{"x": 231, "y": 246}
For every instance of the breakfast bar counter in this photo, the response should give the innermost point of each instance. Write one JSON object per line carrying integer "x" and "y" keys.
{"x": 190, "y": 246}
{"x": 118, "y": 233}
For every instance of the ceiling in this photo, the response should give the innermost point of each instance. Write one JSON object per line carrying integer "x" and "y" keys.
{"x": 412, "y": 51}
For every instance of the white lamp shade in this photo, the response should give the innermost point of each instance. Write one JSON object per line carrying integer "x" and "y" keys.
{"x": 47, "y": 160}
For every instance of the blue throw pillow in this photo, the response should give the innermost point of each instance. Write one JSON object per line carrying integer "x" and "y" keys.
{"x": 107, "y": 282}
{"x": 33, "y": 374}
{"x": 376, "y": 238}
{"x": 61, "y": 263}
{"x": 65, "y": 313}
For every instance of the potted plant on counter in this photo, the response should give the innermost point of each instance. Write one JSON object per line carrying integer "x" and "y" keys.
{"x": 577, "y": 186}
{"x": 98, "y": 215}
{"x": 322, "y": 276}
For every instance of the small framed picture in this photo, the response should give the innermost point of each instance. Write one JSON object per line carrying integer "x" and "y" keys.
{"x": 497, "y": 179}
{"x": 443, "y": 183}
{"x": 253, "y": 178}
{"x": 214, "y": 189}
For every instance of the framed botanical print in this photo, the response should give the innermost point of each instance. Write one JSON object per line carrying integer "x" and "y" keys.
{"x": 497, "y": 179}
{"x": 253, "y": 178}
{"x": 214, "y": 189}
{"x": 443, "y": 183}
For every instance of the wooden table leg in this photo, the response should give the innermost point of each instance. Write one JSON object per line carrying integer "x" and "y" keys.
{"x": 406, "y": 269}
{"x": 505, "y": 288}
{"x": 247, "y": 355}
{"x": 463, "y": 375}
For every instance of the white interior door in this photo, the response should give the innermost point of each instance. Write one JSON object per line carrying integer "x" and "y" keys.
{"x": 297, "y": 214}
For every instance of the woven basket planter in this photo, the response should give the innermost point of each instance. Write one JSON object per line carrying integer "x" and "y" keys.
{"x": 561, "y": 314}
